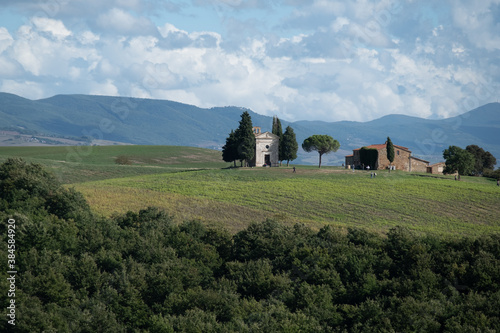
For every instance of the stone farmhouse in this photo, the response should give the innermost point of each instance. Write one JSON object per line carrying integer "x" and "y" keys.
{"x": 266, "y": 148}
{"x": 403, "y": 160}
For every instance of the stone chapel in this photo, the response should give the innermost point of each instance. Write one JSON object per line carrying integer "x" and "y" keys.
{"x": 266, "y": 149}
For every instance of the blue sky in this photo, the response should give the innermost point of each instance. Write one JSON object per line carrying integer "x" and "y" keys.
{"x": 300, "y": 60}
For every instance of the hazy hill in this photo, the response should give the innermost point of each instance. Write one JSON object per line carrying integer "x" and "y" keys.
{"x": 146, "y": 121}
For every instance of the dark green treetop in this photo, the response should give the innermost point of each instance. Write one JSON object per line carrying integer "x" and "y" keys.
{"x": 390, "y": 150}
{"x": 458, "y": 160}
{"x": 277, "y": 130}
{"x": 246, "y": 139}
{"x": 289, "y": 145}
{"x": 484, "y": 160}
{"x": 323, "y": 144}
{"x": 230, "y": 149}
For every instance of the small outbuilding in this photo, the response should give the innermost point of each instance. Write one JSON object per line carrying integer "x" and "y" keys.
{"x": 437, "y": 168}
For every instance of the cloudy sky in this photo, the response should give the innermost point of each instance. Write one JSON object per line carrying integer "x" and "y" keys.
{"x": 298, "y": 59}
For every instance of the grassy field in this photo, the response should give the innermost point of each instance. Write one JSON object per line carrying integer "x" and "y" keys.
{"x": 86, "y": 163}
{"x": 235, "y": 198}
{"x": 193, "y": 183}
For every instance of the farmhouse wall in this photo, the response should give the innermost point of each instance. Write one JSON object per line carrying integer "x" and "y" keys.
{"x": 401, "y": 158}
{"x": 353, "y": 159}
{"x": 349, "y": 161}
{"x": 418, "y": 165}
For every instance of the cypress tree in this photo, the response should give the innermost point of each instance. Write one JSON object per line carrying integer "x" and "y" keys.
{"x": 246, "y": 139}
{"x": 277, "y": 130}
{"x": 289, "y": 145}
{"x": 230, "y": 149}
{"x": 390, "y": 151}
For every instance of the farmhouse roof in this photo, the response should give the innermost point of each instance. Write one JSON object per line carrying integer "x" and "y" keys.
{"x": 382, "y": 146}
{"x": 419, "y": 159}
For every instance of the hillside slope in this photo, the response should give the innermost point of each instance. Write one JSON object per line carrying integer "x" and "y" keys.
{"x": 131, "y": 120}
{"x": 155, "y": 122}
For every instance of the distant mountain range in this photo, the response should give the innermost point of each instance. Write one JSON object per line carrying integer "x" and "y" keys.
{"x": 161, "y": 122}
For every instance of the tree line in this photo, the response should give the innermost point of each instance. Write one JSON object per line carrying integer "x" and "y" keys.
{"x": 471, "y": 161}
{"x": 240, "y": 144}
{"x": 140, "y": 271}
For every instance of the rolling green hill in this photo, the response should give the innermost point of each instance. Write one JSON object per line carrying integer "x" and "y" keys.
{"x": 235, "y": 198}
{"x": 130, "y": 120}
{"x": 144, "y": 271}
{"x": 87, "y": 163}
{"x": 193, "y": 183}
{"x": 161, "y": 122}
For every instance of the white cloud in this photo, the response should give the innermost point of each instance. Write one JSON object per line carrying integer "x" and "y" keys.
{"x": 8, "y": 68}
{"x": 40, "y": 55}
{"x": 119, "y": 21}
{"x": 107, "y": 88}
{"x": 419, "y": 106}
{"x": 436, "y": 30}
{"x": 74, "y": 73}
{"x": 339, "y": 24}
{"x": 234, "y": 4}
{"x": 479, "y": 21}
{"x": 26, "y": 57}
{"x": 128, "y": 3}
{"x": 444, "y": 107}
{"x": 87, "y": 38}
{"x": 55, "y": 27}
{"x": 327, "y": 60}
{"x": 6, "y": 39}
{"x": 179, "y": 95}
{"x": 27, "y": 89}
{"x": 89, "y": 9}
{"x": 169, "y": 28}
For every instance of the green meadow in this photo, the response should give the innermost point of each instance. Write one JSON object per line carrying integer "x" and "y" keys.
{"x": 193, "y": 183}
{"x": 74, "y": 164}
{"x": 237, "y": 197}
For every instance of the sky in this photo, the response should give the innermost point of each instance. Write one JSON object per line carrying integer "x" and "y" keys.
{"x": 297, "y": 59}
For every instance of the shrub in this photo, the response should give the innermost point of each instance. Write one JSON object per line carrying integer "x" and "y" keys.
{"x": 492, "y": 174}
{"x": 123, "y": 160}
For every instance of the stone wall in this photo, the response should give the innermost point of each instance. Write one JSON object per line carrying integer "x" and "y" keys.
{"x": 401, "y": 159}
{"x": 436, "y": 169}
{"x": 418, "y": 165}
{"x": 349, "y": 161}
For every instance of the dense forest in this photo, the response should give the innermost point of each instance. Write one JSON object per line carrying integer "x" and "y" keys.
{"x": 78, "y": 272}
